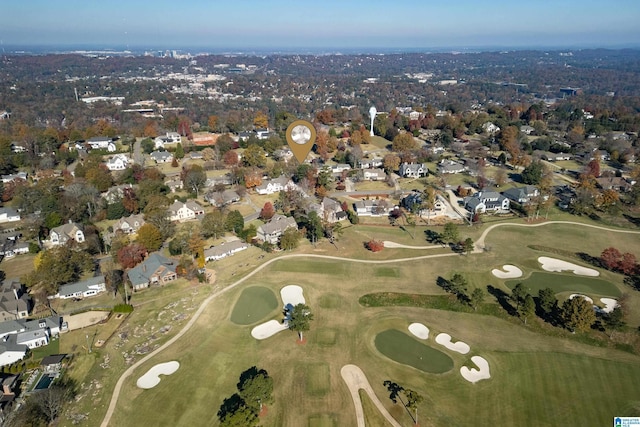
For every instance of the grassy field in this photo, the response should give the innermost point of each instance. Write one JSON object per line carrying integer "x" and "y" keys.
{"x": 407, "y": 350}
{"x": 254, "y": 304}
{"x": 537, "y": 379}
{"x": 567, "y": 283}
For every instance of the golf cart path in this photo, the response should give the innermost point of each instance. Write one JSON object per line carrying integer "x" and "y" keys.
{"x": 356, "y": 380}
{"x": 479, "y": 246}
{"x": 390, "y": 244}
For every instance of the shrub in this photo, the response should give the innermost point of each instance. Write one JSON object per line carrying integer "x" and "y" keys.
{"x": 375, "y": 245}
{"x": 122, "y": 308}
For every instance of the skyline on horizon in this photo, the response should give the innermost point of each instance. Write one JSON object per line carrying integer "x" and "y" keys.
{"x": 287, "y": 26}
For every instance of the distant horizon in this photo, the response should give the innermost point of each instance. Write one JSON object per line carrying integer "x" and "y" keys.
{"x": 332, "y": 26}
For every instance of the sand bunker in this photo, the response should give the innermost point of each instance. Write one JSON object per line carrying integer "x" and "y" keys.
{"x": 556, "y": 265}
{"x": 474, "y": 375}
{"x": 609, "y": 304}
{"x": 445, "y": 340}
{"x": 589, "y": 300}
{"x": 152, "y": 377}
{"x": 508, "y": 272}
{"x": 268, "y": 329}
{"x": 292, "y": 294}
{"x": 419, "y": 330}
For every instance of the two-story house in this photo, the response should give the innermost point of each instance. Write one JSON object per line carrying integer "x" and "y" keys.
{"x": 413, "y": 170}
{"x": 271, "y": 231}
{"x": 188, "y": 210}
{"x": 271, "y": 186}
{"x": 129, "y": 224}
{"x": 65, "y": 233}
{"x": 486, "y": 201}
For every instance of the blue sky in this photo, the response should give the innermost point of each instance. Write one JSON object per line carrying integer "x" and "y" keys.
{"x": 321, "y": 24}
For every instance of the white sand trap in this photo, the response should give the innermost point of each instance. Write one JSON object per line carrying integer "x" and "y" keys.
{"x": 508, "y": 272}
{"x": 474, "y": 375}
{"x": 609, "y": 304}
{"x": 557, "y": 265}
{"x": 460, "y": 347}
{"x": 419, "y": 330}
{"x": 292, "y": 294}
{"x": 589, "y": 300}
{"x": 152, "y": 377}
{"x": 268, "y": 329}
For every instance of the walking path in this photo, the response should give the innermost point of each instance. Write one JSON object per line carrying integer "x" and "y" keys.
{"x": 390, "y": 244}
{"x": 479, "y": 246}
{"x": 356, "y": 380}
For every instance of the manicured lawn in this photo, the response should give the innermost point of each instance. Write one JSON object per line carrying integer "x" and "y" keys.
{"x": 537, "y": 379}
{"x": 561, "y": 282}
{"x": 15, "y": 268}
{"x": 402, "y": 348}
{"x": 255, "y": 303}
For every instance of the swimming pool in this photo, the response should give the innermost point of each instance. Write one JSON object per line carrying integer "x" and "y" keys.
{"x": 44, "y": 382}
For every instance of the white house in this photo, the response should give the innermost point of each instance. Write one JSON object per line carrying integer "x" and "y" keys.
{"x": 64, "y": 233}
{"x": 490, "y": 128}
{"x": 340, "y": 167}
{"x": 376, "y": 207}
{"x": 215, "y": 253}
{"x": 169, "y": 138}
{"x": 486, "y": 201}
{"x": 9, "y": 215}
{"x": 449, "y": 166}
{"x": 129, "y": 224}
{"x": 118, "y": 162}
{"x": 16, "y": 336}
{"x": 82, "y": 289}
{"x": 102, "y": 143}
{"x": 271, "y": 231}
{"x": 413, "y": 170}
{"x": 275, "y": 185}
{"x": 161, "y": 156}
{"x": 179, "y": 211}
{"x": 374, "y": 175}
{"x": 375, "y": 162}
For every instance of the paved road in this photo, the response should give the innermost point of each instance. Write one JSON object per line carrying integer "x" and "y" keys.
{"x": 479, "y": 246}
{"x": 138, "y": 155}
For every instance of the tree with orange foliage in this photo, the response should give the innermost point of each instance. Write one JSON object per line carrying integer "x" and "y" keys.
{"x": 230, "y": 158}
{"x": 150, "y": 129}
{"x": 131, "y": 255}
{"x": 252, "y": 179}
{"x": 212, "y": 122}
{"x": 267, "y": 211}
{"x": 375, "y": 245}
{"x": 261, "y": 121}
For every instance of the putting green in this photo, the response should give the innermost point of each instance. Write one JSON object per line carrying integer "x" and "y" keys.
{"x": 405, "y": 349}
{"x": 561, "y": 282}
{"x": 254, "y": 304}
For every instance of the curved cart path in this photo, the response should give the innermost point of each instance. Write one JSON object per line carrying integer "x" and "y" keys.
{"x": 479, "y": 246}
{"x": 356, "y": 380}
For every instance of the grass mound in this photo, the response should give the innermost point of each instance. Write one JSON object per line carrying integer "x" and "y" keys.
{"x": 404, "y": 349}
{"x": 560, "y": 282}
{"x": 254, "y": 304}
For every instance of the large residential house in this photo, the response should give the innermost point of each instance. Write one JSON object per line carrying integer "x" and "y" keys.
{"x": 374, "y": 174}
{"x": 413, "y": 170}
{"x": 486, "y": 201}
{"x": 521, "y": 195}
{"x": 82, "y": 289}
{"x": 17, "y": 336}
{"x": 375, "y": 162}
{"x": 161, "y": 156}
{"x": 490, "y": 128}
{"x": 180, "y": 211}
{"x": 222, "y": 198}
{"x": 613, "y": 183}
{"x": 116, "y": 193}
{"x": 376, "y": 207}
{"x": 329, "y": 210}
{"x": 102, "y": 143}
{"x": 9, "y": 215}
{"x": 65, "y": 233}
{"x": 275, "y": 185}
{"x": 155, "y": 270}
{"x": 14, "y": 177}
{"x": 414, "y": 202}
{"x": 449, "y": 166}
{"x": 271, "y": 231}
{"x": 118, "y": 162}
{"x": 129, "y": 224}
{"x": 14, "y": 301}
{"x": 169, "y": 138}
{"x": 215, "y": 253}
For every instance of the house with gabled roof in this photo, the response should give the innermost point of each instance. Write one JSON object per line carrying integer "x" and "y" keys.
{"x": 118, "y": 162}
{"x": 450, "y": 167}
{"x": 521, "y": 195}
{"x": 329, "y": 210}
{"x": 129, "y": 224}
{"x": 270, "y": 186}
{"x": 374, "y": 174}
{"x": 17, "y": 336}
{"x": 82, "y": 289}
{"x": 9, "y": 215}
{"x": 486, "y": 201}
{"x": 271, "y": 231}
{"x": 222, "y": 198}
{"x": 188, "y": 210}
{"x": 161, "y": 156}
{"x": 155, "y": 270}
{"x": 215, "y": 253}
{"x": 413, "y": 170}
{"x": 65, "y": 233}
{"x": 14, "y": 301}
{"x": 374, "y": 207}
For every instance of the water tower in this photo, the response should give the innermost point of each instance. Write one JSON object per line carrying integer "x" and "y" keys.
{"x": 372, "y": 113}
